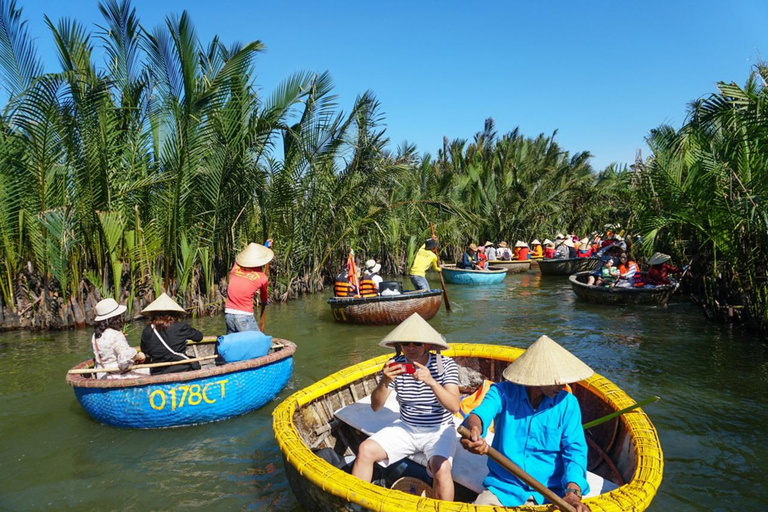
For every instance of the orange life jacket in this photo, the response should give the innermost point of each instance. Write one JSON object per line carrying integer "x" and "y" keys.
{"x": 342, "y": 287}
{"x": 368, "y": 287}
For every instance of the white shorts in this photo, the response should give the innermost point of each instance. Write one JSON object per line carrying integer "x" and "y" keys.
{"x": 401, "y": 440}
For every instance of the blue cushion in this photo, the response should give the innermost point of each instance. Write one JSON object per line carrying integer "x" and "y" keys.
{"x": 240, "y": 346}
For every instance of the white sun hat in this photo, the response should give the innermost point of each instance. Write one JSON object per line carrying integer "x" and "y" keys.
{"x": 163, "y": 304}
{"x": 536, "y": 242}
{"x": 108, "y": 308}
{"x": 547, "y": 241}
{"x": 569, "y": 243}
{"x": 372, "y": 267}
{"x": 520, "y": 243}
{"x": 416, "y": 329}
{"x": 659, "y": 258}
{"x": 255, "y": 255}
{"x": 546, "y": 363}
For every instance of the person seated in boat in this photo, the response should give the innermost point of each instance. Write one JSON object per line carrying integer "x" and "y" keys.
{"x": 628, "y": 271}
{"x": 659, "y": 270}
{"x": 522, "y": 250}
{"x": 164, "y": 338}
{"x": 110, "y": 347}
{"x": 608, "y": 240}
{"x": 369, "y": 285}
{"x": 537, "y": 251}
{"x": 469, "y": 258}
{"x": 584, "y": 250}
{"x": 482, "y": 259}
{"x": 537, "y": 426}
{"x": 341, "y": 285}
{"x": 561, "y": 250}
{"x": 427, "y": 388}
{"x": 490, "y": 251}
{"x": 609, "y": 273}
{"x": 549, "y": 249}
{"x": 504, "y": 253}
{"x": 425, "y": 258}
{"x": 609, "y": 251}
{"x": 246, "y": 279}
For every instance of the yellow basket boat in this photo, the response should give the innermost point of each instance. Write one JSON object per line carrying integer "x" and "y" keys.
{"x": 624, "y": 450}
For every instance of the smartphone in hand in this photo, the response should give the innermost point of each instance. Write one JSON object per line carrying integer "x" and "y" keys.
{"x": 409, "y": 368}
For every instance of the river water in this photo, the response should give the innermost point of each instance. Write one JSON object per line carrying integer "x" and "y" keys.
{"x": 712, "y": 419}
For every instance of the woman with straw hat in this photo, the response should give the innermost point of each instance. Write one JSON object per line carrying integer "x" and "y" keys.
{"x": 549, "y": 249}
{"x": 537, "y": 426}
{"x": 537, "y": 251}
{"x": 469, "y": 258}
{"x": 245, "y": 280}
{"x": 521, "y": 249}
{"x": 164, "y": 339}
{"x": 504, "y": 253}
{"x": 427, "y": 387}
{"x": 110, "y": 348}
{"x": 659, "y": 270}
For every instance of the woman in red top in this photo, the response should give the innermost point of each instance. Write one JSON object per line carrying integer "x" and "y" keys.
{"x": 522, "y": 250}
{"x": 658, "y": 270}
{"x": 246, "y": 279}
{"x": 549, "y": 249}
{"x": 482, "y": 259}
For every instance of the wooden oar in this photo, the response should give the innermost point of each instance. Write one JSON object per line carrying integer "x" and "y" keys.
{"x": 111, "y": 369}
{"x": 607, "y": 417}
{"x": 442, "y": 281}
{"x": 263, "y": 317}
{"x": 522, "y": 475}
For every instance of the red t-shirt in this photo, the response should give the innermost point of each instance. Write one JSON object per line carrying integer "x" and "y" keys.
{"x": 243, "y": 285}
{"x": 549, "y": 253}
{"x": 523, "y": 254}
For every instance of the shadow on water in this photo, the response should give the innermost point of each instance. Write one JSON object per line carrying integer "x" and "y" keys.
{"x": 711, "y": 420}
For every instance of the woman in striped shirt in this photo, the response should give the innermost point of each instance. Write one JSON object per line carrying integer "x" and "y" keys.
{"x": 427, "y": 387}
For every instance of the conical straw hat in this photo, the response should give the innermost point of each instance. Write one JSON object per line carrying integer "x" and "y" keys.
{"x": 163, "y": 304}
{"x": 414, "y": 328}
{"x": 536, "y": 242}
{"x": 569, "y": 243}
{"x": 546, "y": 363}
{"x": 658, "y": 258}
{"x": 255, "y": 255}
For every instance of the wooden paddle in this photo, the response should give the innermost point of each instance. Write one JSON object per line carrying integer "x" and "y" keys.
{"x": 442, "y": 281}
{"x": 522, "y": 475}
{"x": 263, "y": 317}
{"x": 111, "y": 369}
{"x": 607, "y": 417}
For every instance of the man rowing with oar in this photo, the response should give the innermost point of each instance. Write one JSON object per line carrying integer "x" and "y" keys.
{"x": 537, "y": 426}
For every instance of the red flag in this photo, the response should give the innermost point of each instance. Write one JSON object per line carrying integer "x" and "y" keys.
{"x": 352, "y": 272}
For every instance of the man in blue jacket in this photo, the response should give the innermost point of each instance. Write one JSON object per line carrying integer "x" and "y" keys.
{"x": 537, "y": 425}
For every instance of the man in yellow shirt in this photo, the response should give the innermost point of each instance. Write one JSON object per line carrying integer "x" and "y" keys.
{"x": 426, "y": 257}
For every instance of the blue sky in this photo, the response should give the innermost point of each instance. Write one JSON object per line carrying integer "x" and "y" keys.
{"x": 602, "y": 73}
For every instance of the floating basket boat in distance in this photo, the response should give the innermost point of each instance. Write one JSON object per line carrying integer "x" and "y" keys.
{"x": 212, "y": 393}
{"x": 305, "y": 421}
{"x": 568, "y": 266}
{"x": 388, "y": 310}
{"x": 455, "y": 275}
{"x": 513, "y": 266}
{"x": 659, "y": 295}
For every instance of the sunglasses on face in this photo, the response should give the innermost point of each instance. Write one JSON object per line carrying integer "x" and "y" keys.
{"x": 414, "y": 343}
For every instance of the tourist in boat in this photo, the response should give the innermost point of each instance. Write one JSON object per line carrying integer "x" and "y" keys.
{"x": 611, "y": 251}
{"x": 341, "y": 285}
{"x": 628, "y": 270}
{"x": 369, "y": 285}
{"x": 537, "y": 426}
{"x": 659, "y": 270}
{"x": 504, "y": 253}
{"x": 164, "y": 338}
{"x": 522, "y": 250}
{"x": 584, "y": 250}
{"x": 427, "y": 390}
{"x": 490, "y": 251}
{"x": 609, "y": 273}
{"x": 246, "y": 279}
{"x": 549, "y": 249}
{"x": 482, "y": 259}
{"x": 425, "y": 258}
{"x": 537, "y": 251}
{"x": 561, "y": 250}
{"x": 469, "y": 258}
{"x": 110, "y": 348}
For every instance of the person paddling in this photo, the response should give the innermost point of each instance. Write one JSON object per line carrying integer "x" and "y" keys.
{"x": 246, "y": 279}
{"x": 164, "y": 339}
{"x": 425, "y": 258}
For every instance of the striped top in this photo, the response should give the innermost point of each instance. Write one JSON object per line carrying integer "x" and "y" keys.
{"x": 419, "y": 406}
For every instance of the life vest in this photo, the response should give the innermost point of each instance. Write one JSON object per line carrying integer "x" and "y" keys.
{"x": 342, "y": 287}
{"x": 368, "y": 287}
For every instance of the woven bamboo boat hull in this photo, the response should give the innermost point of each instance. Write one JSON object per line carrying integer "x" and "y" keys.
{"x": 473, "y": 277}
{"x": 619, "y": 296}
{"x": 567, "y": 266}
{"x": 305, "y": 421}
{"x": 388, "y": 310}
{"x": 513, "y": 267}
{"x": 212, "y": 393}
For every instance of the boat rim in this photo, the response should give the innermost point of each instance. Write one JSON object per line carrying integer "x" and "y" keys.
{"x": 641, "y": 489}
{"x": 452, "y": 268}
{"x": 573, "y": 278}
{"x": 408, "y": 295}
{"x": 81, "y": 381}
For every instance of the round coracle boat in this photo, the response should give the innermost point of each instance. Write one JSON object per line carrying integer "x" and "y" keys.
{"x": 513, "y": 266}
{"x": 211, "y": 393}
{"x": 388, "y": 310}
{"x": 455, "y": 275}
{"x": 624, "y": 453}
{"x": 659, "y": 295}
{"x": 568, "y": 266}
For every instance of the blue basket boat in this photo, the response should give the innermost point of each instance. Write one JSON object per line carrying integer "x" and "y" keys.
{"x": 212, "y": 393}
{"x": 477, "y": 277}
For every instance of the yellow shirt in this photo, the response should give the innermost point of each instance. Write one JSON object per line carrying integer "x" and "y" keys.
{"x": 422, "y": 262}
